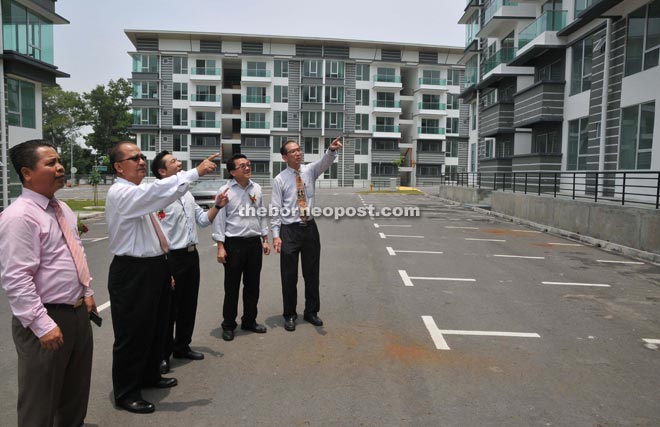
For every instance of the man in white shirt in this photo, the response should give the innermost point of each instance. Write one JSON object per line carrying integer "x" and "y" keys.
{"x": 178, "y": 222}
{"x": 139, "y": 275}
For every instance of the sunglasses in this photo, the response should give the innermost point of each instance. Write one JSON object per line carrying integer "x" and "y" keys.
{"x": 135, "y": 158}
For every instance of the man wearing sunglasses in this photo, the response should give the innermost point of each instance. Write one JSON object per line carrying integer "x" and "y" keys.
{"x": 242, "y": 237}
{"x": 139, "y": 275}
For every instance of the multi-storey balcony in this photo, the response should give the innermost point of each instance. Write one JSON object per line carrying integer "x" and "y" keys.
{"x": 539, "y": 36}
{"x": 541, "y": 102}
{"x": 430, "y": 132}
{"x": 381, "y": 106}
{"x": 431, "y": 108}
{"x": 259, "y": 102}
{"x": 255, "y": 127}
{"x": 431, "y": 84}
{"x": 256, "y": 76}
{"x": 385, "y": 156}
{"x": 386, "y": 131}
{"x": 496, "y": 119}
{"x": 387, "y": 81}
{"x": 501, "y": 15}
{"x": 585, "y": 12}
{"x": 205, "y": 126}
{"x": 497, "y": 66}
{"x": 205, "y": 74}
{"x": 203, "y": 151}
{"x": 205, "y": 100}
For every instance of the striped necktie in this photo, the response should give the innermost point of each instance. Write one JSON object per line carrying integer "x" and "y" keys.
{"x": 159, "y": 232}
{"x": 75, "y": 247}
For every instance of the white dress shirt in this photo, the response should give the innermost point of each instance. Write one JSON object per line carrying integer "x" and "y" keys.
{"x": 179, "y": 221}
{"x": 230, "y": 223}
{"x": 285, "y": 190}
{"x": 127, "y": 210}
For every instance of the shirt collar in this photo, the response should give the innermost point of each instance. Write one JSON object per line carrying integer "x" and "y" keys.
{"x": 233, "y": 183}
{"x": 123, "y": 181}
{"x": 41, "y": 200}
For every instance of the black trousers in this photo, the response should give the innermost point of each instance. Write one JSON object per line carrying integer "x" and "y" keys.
{"x": 300, "y": 242}
{"x": 244, "y": 258}
{"x": 184, "y": 266}
{"x": 139, "y": 302}
{"x": 53, "y": 386}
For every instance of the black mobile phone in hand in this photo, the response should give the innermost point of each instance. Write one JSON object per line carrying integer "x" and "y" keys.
{"x": 94, "y": 317}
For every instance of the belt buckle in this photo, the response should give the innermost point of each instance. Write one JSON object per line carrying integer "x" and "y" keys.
{"x": 78, "y": 303}
{"x": 192, "y": 248}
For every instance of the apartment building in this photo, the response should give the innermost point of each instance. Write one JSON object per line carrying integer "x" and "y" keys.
{"x": 562, "y": 85}
{"x": 26, "y": 65}
{"x": 396, "y": 105}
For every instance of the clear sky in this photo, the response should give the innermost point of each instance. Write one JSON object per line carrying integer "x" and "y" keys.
{"x": 92, "y": 49}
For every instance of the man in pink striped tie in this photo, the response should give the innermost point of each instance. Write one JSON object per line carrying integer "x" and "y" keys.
{"x": 44, "y": 273}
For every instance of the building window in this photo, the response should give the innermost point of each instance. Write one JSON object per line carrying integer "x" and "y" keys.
{"x": 431, "y": 77}
{"x": 147, "y": 142}
{"x": 362, "y": 146}
{"x": 278, "y": 167}
{"x": 334, "y": 120}
{"x": 429, "y": 171}
{"x": 179, "y": 117}
{"x": 385, "y": 145}
{"x": 206, "y": 141}
{"x": 452, "y": 101}
{"x": 145, "y": 90}
{"x": 429, "y": 146}
{"x": 578, "y": 144}
{"x": 453, "y": 77}
{"x": 145, "y": 116}
{"x": 145, "y": 63}
{"x": 334, "y": 69}
{"x": 205, "y": 67}
{"x": 180, "y": 142}
{"x": 362, "y": 97}
{"x": 473, "y": 115}
{"x": 385, "y": 99}
{"x": 312, "y": 68}
{"x": 259, "y": 167}
{"x": 281, "y": 68}
{"x": 311, "y": 94}
{"x": 255, "y": 142}
{"x": 311, "y": 119}
{"x": 362, "y": 122}
{"x": 21, "y": 110}
{"x": 546, "y": 143}
{"x": 280, "y": 119}
{"x": 278, "y": 141}
{"x": 386, "y": 74}
{"x": 489, "y": 98}
{"x": 362, "y": 72}
{"x": 204, "y": 93}
{"x": 180, "y": 91}
{"x": 550, "y": 72}
{"x": 643, "y": 38}
{"x": 383, "y": 169}
{"x": 311, "y": 145}
{"x": 636, "y": 141}
{"x": 180, "y": 65}
{"x": 26, "y": 33}
{"x": 452, "y": 149}
{"x": 256, "y": 69}
{"x": 282, "y": 94}
{"x": 452, "y": 125}
{"x": 503, "y": 148}
{"x": 581, "y": 72}
{"x": 334, "y": 95}
{"x": 331, "y": 173}
{"x": 256, "y": 120}
{"x": 361, "y": 171}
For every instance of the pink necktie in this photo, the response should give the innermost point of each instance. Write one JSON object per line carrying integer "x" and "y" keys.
{"x": 159, "y": 232}
{"x": 74, "y": 247}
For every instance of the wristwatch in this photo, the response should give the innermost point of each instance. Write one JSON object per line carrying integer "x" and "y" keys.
{"x": 218, "y": 207}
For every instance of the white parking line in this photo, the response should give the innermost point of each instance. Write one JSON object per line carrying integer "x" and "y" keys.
{"x": 407, "y": 280}
{"x": 437, "y": 335}
{"x": 602, "y": 285}
{"x": 391, "y": 225}
{"x": 392, "y": 252}
{"x": 564, "y": 244}
{"x": 462, "y": 228}
{"x": 651, "y": 341}
{"x": 485, "y": 240}
{"x": 385, "y": 236}
{"x": 520, "y": 256}
{"x": 620, "y": 262}
{"x": 103, "y": 306}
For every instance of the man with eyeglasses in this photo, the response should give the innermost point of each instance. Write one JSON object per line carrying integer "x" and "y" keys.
{"x": 178, "y": 221}
{"x": 295, "y": 235}
{"x": 241, "y": 231}
{"x": 139, "y": 275}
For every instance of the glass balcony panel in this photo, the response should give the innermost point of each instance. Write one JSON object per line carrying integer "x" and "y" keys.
{"x": 431, "y": 130}
{"x": 502, "y": 56}
{"x": 551, "y": 20}
{"x": 251, "y": 99}
{"x": 255, "y": 125}
{"x": 256, "y": 73}
{"x": 204, "y": 124}
{"x": 205, "y": 71}
{"x": 204, "y": 97}
{"x": 387, "y": 104}
{"x": 494, "y": 6}
{"x": 432, "y": 81}
{"x": 386, "y": 128}
{"x": 431, "y": 106}
{"x": 387, "y": 78}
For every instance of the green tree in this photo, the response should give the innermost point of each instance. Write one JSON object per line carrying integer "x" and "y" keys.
{"x": 109, "y": 114}
{"x": 83, "y": 159}
{"x": 64, "y": 114}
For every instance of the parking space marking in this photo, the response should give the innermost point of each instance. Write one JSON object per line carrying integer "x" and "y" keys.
{"x": 485, "y": 240}
{"x": 447, "y": 219}
{"x": 564, "y": 244}
{"x": 602, "y": 285}
{"x": 461, "y": 228}
{"x": 392, "y": 252}
{"x": 437, "y": 335}
{"x": 519, "y": 256}
{"x": 391, "y": 225}
{"x": 407, "y": 280}
{"x": 385, "y": 236}
{"x": 651, "y": 341}
{"x": 620, "y": 262}
{"x": 103, "y": 306}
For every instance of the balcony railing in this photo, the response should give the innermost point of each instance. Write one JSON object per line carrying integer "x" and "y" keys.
{"x": 204, "y": 124}
{"x": 494, "y": 6}
{"x": 255, "y": 99}
{"x": 431, "y": 106}
{"x": 432, "y": 81}
{"x": 387, "y": 78}
{"x": 386, "y": 128}
{"x": 502, "y": 56}
{"x": 551, "y": 20}
{"x": 205, "y": 71}
{"x": 431, "y": 130}
{"x": 255, "y": 125}
{"x": 581, "y": 5}
{"x": 256, "y": 73}
{"x": 387, "y": 104}
{"x": 202, "y": 97}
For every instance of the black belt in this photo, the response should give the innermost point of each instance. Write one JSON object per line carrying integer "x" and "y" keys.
{"x": 78, "y": 304}
{"x": 301, "y": 223}
{"x": 242, "y": 238}
{"x": 191, "y": 248}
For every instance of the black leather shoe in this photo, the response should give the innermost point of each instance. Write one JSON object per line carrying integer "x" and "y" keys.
{"x": 313, "y": 319}
{"x": 165, "y": 383}
{"x": 137, "y": 406}
{"x": 257, "y": 328}
{"x": 290, "y": 324}
{"x": 227, "y": 335}
{"x": 192, "y": 355}
{"x": 164, "y": 366}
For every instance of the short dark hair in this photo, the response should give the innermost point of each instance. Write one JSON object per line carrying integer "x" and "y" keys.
{"x": 283, "y": 147}
{"x": 24, "y": 155}
{"x": 159, "y": 163}
{"x": 115, "y": 151}
{"x": 230, "y": 163}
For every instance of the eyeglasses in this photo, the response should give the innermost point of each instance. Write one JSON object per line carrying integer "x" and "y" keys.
{"x": 295, "y": 150}
{"x": 244, "y": 166}
{"x": 135, "y": 158}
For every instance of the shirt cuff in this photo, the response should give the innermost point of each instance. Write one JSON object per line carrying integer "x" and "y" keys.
{"x": 42, "y": 325}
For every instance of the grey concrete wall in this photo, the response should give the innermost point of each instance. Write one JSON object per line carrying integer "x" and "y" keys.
{"x": 471, "y": 196}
